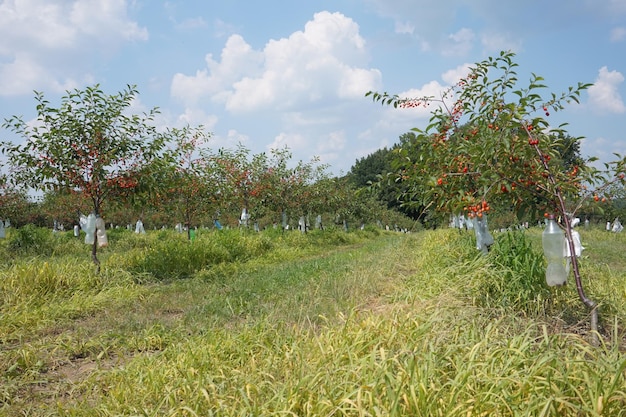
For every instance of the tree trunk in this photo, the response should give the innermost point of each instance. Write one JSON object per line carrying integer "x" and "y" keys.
{"x": 94, "y": 247}
{"x": 591, "y": 305}
{"x": 94, "y": 256}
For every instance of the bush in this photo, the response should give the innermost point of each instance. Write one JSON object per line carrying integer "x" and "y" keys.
{"x": 177, "y": 259}
{"x": 30, "y": 240}
{"x": 172, "y": 257}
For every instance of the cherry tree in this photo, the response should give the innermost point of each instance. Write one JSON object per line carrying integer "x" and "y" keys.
{"x": 241, "y": 180}
{"x": 489, "y": 142}
{"x": 89, "y": 144}
{"x": 187, "y": 186}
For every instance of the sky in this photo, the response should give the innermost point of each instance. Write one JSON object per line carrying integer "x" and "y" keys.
{"x": 282, "y": 73}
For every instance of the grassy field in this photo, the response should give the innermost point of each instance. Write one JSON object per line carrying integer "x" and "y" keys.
{"x": 366, "y": 323}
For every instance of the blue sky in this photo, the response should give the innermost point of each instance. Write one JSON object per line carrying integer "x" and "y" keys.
{"x": 269, "y": 74}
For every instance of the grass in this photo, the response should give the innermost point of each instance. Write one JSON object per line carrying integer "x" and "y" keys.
{"x": 328, "y": 323}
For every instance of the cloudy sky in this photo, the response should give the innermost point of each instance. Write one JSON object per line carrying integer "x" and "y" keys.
{"x": 273, "y": 73}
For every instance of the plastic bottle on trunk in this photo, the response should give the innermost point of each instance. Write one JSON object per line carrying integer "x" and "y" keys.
{"x": 90, "y": 229}
{"x": 553, "y": 240}
{"x": 101, "y": 233}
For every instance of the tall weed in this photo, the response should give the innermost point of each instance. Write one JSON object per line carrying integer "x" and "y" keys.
{"x": 174, "y": 257}
{"x": 519, "y": 283}
{"x": 37, "y": 281}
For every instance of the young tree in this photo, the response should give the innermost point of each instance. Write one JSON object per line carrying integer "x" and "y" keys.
{"x": 297, "y": 190}
{"x": 88, "y": 144}
{"x": 188, "y": 188}
{"x": 310, "y": 193}
{"x": 279, "y": 197}
{"x": 242, "y": 181}
{"x": 490, "y": 142}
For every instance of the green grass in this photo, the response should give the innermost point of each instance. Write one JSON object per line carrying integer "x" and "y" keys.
{"x": 328, "y": 323}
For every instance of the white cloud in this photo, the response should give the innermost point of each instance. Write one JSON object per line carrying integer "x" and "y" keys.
{"x": 603, "y": 149}
{"x": 459, "y": 43}
{"x": 315, "y": 64}
{"x": 237, "y": 61}
{"x": 424, "y": 15}
{"x": 47, "y": 43}
{"x": 425, "y": 20}
{"x": 332, "y": 147}
{"x": 57, "y": 24}
{"x": 453, "y": 76}
{"x": 433, "y": 89}
{"x": 618, "y": 34}
{"x": 322, "y": 63}
{"x": 196, "y": 117}
{"x": 24, "y": 74}
{"x": 232, "y": 139}
{"x": 604, "y": 95}
{"x": 295, "y": 142}
{"x": 105, "y": 20}
{"x": 395, "y": 121}
{"x": 329, "y": 147}
{"x": 333, "y": 143}
{"x": 355, "y": 82}
{"x": 19, "y": 18}
{"x": 497, "y": 41}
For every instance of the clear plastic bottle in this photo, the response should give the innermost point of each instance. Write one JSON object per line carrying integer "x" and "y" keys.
{"x": 483, "y": 238}
{"x": 90, "y": 229}
{"x": 101, "y": 233}
{"x": 553, "y": 240}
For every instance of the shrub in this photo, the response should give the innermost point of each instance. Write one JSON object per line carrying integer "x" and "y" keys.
{"x": 30, "y": 240}
{"x": 174, "y": 257}
{"x": 177, "y": 259}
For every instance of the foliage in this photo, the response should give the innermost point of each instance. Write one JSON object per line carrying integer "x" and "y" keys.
{"x": 371, "y": 172}
{"x": 270, "y": 185}
{"x": 15, "y": 205}
{"x": 301, "y": 190}
{"x": 64, "y": 206}
{"x": 614, "y": 205}
{"x": 242, "y": 179}
{"x": 187, "y": 185}
{"x": 489, "y": 143}
{"x": 89, "y": 144}
{"x": 488, "y": 140}
{"x": 30, "y": 240}
{"x": 366, "y": 170}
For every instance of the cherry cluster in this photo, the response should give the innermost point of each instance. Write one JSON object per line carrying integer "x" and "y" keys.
{"x": 477, "y": 210}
